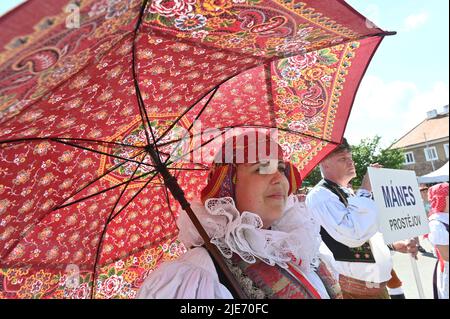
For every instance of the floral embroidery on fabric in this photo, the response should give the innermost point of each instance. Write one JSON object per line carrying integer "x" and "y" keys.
{"x": 78, "y": 186}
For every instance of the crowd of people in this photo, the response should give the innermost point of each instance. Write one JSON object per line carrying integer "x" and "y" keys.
{"x": 280, "y": 244}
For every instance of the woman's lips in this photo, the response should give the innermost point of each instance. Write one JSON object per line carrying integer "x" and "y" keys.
{"x": 277, "y": 196}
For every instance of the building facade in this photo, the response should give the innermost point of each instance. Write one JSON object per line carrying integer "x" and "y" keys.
{"x": 426, "y": 147}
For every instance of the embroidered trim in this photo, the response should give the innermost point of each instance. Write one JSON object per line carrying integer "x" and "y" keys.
{"x": 297, "y": 274}
{"x": 248, "y": 286}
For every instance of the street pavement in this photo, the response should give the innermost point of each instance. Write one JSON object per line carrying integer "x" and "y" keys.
{"x": 425, "y": 265}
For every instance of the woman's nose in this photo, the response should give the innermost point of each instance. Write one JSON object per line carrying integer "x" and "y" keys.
{"x": 276, "y": 177}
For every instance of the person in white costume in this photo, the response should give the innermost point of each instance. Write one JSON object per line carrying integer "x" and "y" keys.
{"x": 352, "y": 245}
{"x": 438, "y": 236}
{"x": 266, "y": 235}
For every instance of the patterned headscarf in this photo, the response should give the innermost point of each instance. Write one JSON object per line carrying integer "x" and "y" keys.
{"x": 222, "y": 176}
{"x": 436, "y": 197}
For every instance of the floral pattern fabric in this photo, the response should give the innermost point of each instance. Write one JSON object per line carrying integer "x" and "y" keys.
{"x": 79, "y": 192}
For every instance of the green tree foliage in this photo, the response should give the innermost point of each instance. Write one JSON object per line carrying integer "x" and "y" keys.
{"x": 367, "y": 152}
{"x": 313, "y": 178}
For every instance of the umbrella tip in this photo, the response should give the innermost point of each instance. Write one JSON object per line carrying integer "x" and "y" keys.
{"x": 390, "y": 33}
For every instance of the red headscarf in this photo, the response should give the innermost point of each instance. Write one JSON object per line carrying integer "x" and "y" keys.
{"x": 245, "y": 149}
{"x": 436, "y": 197}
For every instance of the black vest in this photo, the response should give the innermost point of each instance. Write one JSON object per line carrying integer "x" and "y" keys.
{"x": 340, "y": 251}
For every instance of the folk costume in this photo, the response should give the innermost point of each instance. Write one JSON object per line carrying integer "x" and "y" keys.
{"x": 280, "y": 262}
{"x": 351, "y": 244}
{"x": 438, "y": 222}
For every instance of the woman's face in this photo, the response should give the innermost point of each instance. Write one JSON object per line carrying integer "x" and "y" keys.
{"x": 260, "y": 192}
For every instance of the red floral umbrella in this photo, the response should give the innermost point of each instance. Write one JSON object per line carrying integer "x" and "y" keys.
{"x": 96, "y": 118}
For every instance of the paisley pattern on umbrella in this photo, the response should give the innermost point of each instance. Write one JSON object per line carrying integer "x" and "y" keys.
{"x": 84, "y": 210}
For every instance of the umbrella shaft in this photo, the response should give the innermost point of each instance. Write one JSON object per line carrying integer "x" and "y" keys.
{"x": 171, "y": 183}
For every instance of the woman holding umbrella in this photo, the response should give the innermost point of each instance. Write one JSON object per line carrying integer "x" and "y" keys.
{"x": 267, "y": 237}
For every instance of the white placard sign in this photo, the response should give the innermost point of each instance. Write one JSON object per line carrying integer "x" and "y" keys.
{"x": 401, "y": 211}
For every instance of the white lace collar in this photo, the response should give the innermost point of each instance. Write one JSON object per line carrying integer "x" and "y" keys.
{"x": 294, "y": 237}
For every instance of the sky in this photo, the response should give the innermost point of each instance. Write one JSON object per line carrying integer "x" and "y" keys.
{"x": 408, "y": 75}
{"x": 6, "y": 5}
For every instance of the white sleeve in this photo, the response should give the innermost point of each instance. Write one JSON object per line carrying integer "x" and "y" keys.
{"x": 438, "y": 234}
{"x": 184, "y": 279}
{"x": 352, "y": 225}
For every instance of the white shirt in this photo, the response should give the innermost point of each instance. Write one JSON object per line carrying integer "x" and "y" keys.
{"x": 438, "y": 233}
{"x": 194, "y": 275}
{"x": 439, "y": 236}
{"x": 351, "y": 226}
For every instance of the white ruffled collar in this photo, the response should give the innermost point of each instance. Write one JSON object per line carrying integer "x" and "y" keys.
{"x": 294, "y": 237}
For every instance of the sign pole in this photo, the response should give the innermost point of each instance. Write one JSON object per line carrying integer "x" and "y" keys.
{"x": 401, "y": 214}
{"x": 417, "y": 277}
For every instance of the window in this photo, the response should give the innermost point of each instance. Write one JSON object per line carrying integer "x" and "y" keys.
{"x": 446, "y": 150}
{"x": 409, "y": 158}
{"x": 430, "y": 153}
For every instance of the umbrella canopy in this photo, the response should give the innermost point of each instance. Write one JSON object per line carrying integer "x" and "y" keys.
{"x": 438, "y": 176}
{"x": 91, "y": 113}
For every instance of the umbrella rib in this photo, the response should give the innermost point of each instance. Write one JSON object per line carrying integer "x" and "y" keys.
{"x": 141, "y": 104}
{"x": 101, "y": 142}
{"x": 284, "y": 55}
{"x": 170, "y": 37}
{"x": 267, "y": 68}
{"x": 305, "y": 134}
{"x": 254, "y": 126}
{"x": 348, "y": 40}
{"x": 268, "y": 80}
{"x": 98, "y": 178}
{"x": 202, "y": 165}
{"x": 69, "y": 139}
{"x": 178, "y": 169}
{"x": 99, "y": 152}
{"x": 140, "y": 107}
{"x": 145, "y": 116}
{"x": 250, "y": 126}
{"x": 144, "y": 111}
{"x": 126, "y": 185}
{"x": 77, "y": 201}
{"x": 288, "y": 131}
{"x": 134, "y": 196}
{"x": 193, "y": 150}
{"x": 196, "y": 135}
{"x": 103, "y": 191}
{"x": 99, "y": 246}
{"x": 213, "y": 90}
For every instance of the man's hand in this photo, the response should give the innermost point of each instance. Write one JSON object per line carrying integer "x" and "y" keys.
{"x": 365, "y": 184}
{"x": 407, "y": 247}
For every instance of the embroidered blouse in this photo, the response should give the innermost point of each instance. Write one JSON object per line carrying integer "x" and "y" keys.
{"x": 292, "y": 240}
